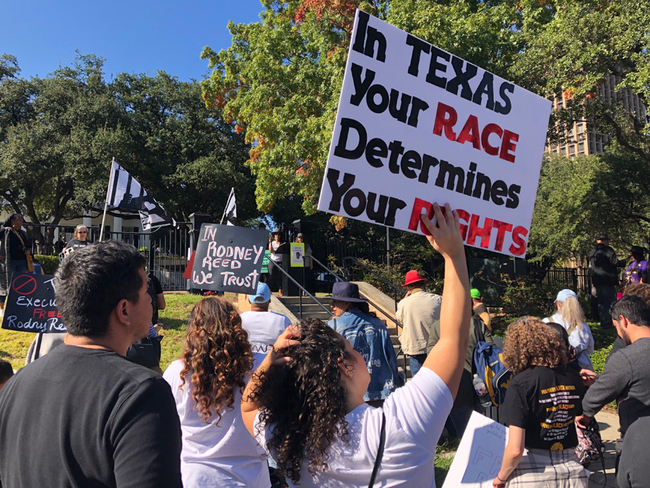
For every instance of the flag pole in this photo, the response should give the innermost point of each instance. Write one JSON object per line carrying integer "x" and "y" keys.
{"x": 108, "y": 189}
{"x": 232, "y": 190}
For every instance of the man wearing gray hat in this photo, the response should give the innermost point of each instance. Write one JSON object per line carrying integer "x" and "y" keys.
{"x": 604, "y": 277}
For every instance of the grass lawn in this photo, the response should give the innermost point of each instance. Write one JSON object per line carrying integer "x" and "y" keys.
{"x": 14, "y": 345}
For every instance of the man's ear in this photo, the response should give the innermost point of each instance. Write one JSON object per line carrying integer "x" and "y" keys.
{"x": 623, "y": 322}
{"x": 122, "y": 311}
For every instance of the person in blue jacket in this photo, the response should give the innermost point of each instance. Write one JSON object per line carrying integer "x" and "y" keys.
{"x": 368, "y": 336}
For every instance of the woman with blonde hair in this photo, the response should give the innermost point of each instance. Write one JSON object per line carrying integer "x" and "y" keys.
{"x": 569, "y": 315}
{"x": 79, "y": 240}
{"x": 542, "y": 401}
{"x": 207, "y": 384}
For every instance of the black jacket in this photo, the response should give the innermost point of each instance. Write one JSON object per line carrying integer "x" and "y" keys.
{"x": 603, "y": 263}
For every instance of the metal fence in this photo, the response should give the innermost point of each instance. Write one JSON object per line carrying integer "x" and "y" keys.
{"x": 577, "y": 279}
{"x": 166, "y": 249}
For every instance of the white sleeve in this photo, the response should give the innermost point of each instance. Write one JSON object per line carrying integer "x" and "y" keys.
{"x": 421, "y": 408}
{"x": 260, "y": 431}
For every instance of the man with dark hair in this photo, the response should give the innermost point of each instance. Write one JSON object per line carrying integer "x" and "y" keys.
{"x": 641, "y": 290}
{"x": 626, "y": 377}
{"x": 84, "y": 415}
{"x": 604, "y": 277}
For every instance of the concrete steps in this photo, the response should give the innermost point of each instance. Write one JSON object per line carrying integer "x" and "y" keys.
{"x": 310, "y": 308}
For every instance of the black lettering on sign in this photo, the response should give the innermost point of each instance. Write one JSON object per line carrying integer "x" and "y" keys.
{"x": 367, "y": 38}
{"x": 402, "y": 107}
{"x": 228, "y": 258}
{"x": 465, "y": 76}
{"x": 379, "y": 208}
{"x": 31, "y": 305}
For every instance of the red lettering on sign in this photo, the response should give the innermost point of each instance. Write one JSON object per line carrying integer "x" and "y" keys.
{"x": 446, "y": 119}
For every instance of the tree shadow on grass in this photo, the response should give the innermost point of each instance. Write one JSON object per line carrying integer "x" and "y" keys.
{"x": 5, "y": 355}
{"x": 173, "y": 324}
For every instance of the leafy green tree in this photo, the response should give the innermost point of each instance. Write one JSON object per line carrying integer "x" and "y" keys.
{"x": 56, "y": 136}
{"x": 183, "y": 154}
{"x": 582, "y": 197}
{"x": 280, "y": 80}
{"x": 569, "y": 55}
{"x": 8, "y": 66}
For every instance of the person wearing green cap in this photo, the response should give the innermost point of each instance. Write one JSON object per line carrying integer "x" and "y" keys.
{"x": 479, "y": 308}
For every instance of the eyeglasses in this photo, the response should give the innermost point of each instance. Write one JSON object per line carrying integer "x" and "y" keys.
{"x": 82, "y": 232}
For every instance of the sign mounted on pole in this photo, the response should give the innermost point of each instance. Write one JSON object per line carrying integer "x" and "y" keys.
{"x": 417, "y": 125}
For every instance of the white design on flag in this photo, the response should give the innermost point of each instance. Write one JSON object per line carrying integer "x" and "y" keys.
{"x": 231, "y": 208}
{"x": 127, "y": 194}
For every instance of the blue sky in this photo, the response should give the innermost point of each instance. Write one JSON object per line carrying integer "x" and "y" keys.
{"x": 137, "y": 36}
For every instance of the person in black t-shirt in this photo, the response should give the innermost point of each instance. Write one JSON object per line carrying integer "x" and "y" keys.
{"x": 542, "y": 401}
{"x": 84, "y": 415}
{"x": 79, "y": 241}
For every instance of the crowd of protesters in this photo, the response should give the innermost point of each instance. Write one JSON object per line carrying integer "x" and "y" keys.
{"x": 254, "y": 401}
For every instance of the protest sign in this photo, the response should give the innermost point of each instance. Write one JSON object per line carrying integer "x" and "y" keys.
{"x": 31, "y": 305}
{"x": 417, "y": 125}
{"x": 297, "y": 255}
{"x": 479, "y": 455}
{"x": 228, "y": 258}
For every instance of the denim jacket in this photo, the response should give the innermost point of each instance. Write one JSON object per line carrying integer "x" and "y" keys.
{"x": 369, "y": 336}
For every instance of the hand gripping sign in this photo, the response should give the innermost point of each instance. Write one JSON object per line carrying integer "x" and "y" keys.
{"x": 418, "y": 125}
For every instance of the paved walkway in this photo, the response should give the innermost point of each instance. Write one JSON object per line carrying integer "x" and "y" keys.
{"x": 608, "y": 423}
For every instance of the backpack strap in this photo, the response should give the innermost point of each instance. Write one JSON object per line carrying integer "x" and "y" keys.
{"x": 380, "y": 451}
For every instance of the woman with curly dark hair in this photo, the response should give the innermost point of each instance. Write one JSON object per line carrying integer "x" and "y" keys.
{"x": 542, "y": 401}
{"x": 207, "y": 383}
{"x": 305, "y": 403}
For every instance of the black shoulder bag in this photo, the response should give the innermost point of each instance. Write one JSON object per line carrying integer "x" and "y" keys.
{"x": 380, "y": 451}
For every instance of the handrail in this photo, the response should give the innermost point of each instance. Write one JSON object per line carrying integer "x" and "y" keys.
{"x": 339, "y": 278}
{"x": 381, "y": 278}
{"x": 386, "y": 314}
{"x": 395, "y": 289}
{"x": 303, "y": 289}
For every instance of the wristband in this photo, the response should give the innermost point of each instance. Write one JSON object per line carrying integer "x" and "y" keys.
{"x": 502, "y": 481}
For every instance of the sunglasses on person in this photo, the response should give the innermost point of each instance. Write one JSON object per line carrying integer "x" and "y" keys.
{"x": 82, "y": 232}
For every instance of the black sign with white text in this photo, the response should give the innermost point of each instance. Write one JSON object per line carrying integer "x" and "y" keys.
{"x": 228, "y": 258}
{"x": 31, "y": 305}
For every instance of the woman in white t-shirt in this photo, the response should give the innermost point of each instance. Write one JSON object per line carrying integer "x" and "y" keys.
{"x": 305, "y": 402}
{"x": 207, "y": 383}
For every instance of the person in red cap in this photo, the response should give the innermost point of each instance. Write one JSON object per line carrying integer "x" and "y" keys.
{"x": 417, "y": 312}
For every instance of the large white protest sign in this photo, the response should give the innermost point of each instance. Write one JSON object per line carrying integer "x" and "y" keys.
{"x": 417, "y": 125}
{"x": 479, "y": 455}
